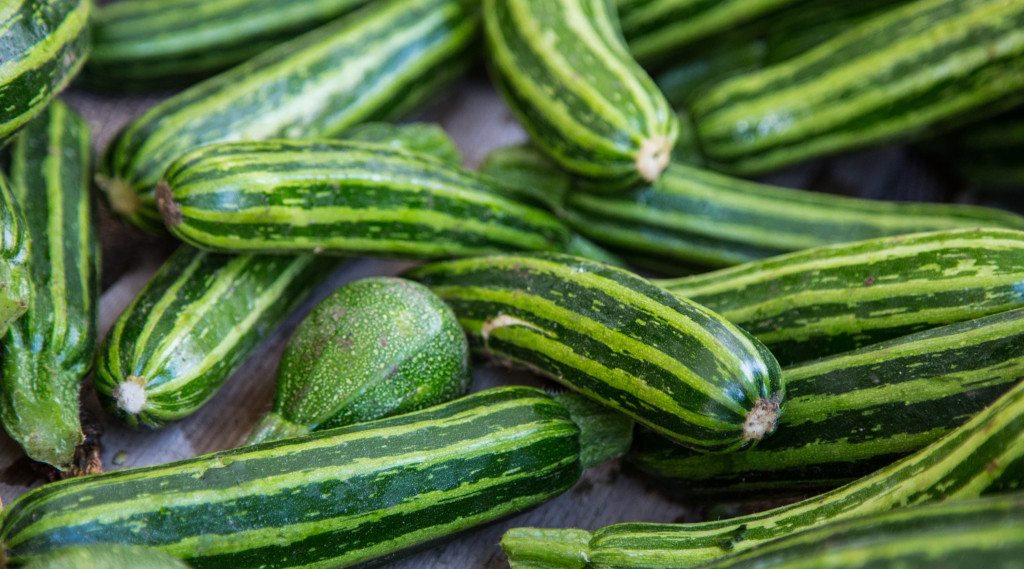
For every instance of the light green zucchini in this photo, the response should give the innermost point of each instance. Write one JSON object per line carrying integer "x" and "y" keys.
{"x": 376, "y": 347}
{"x": 107, "y": 556}
{"x": 15, "y": 277}
{"x": 48, "y": 352}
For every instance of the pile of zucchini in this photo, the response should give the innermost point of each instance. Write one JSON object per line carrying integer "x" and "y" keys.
{"x": 863, "y": 355}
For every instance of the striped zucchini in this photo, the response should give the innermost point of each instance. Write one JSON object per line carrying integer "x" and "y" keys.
{"x": 694, "y": 217}
{"x": 15, "y": 277}
{"x": 376, "y": 347}
{"x": 48, "y": 352}
{"x": 666, "y": 362}
{"x": 985, "y": 453}
{"x": 43, "y": 44}
{"x": 335, "y": 499}
{"x": 338, "y": 197}
{"x": 426, "y": 139}
{"x": 192, "y": 326}
{"x": 379, "y": 62}
{"x": 920, "y": 68}
{"x": 986, "y": 154}
{"x": 831, "y": 299}
{"x": 851, "y": 414}
{"x": 564, "y": 70}
{"x": 142, "y": 45}
{"x": 107, "y": 556}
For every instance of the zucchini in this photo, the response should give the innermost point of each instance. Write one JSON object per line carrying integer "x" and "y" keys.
{"x": 836, "y": 298}
{"x": 918, "y": 69}
{"x": 15, "y": 277}
{"x": 43, "y": 44}
{"x": 107, "y": 556}
{"x": 335, "y": 499}
{"x": 668, "y": 363}
{"x": 379, "y": 62}
{"x": 564, "y": 70}
{"x": 853, "y": 413}
{"x": 425, "y": 139}
{"x": 986, "y": 154}
{"x": 986, "y": 453}
{"x": 48, "y": 352}
{"x": 376, "y": 347}
{"x": 192, "y": 326}
{"x": 338, "y": 197}
{"x": 697, "y": 218}
{"x": 143, "y": 45}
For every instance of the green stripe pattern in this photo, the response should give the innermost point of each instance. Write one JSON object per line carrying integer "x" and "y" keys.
{"x": 107, "y": 556}
{"x": 831, "y": 299}
{"x": 851, "y": 414}
{"x": 193, "y": 325}
{"x": 16, "y": 290}
{"x": 924, "y": 67}
{"x": 987, "y": 154}
{"x": 377, "y": 63}
{"x": 142, "y": 45}
{"x": 43, "y": 44}
{"x": 984, "y": 454}
{"x": 338, "y": 197}
{"x": 670, "y": 364}
{"x": 50, "y": 349}
{"x": 564, "y": 69}
{"x": 334, "y": 499}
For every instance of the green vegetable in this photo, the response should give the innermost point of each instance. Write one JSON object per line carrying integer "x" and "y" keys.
{"x": 375, "y": 348}
{"x": 420, "y": 138}
{"x": 15, "y": 278}
{"x": 107, "y": 556}
{"x": 986, "y": 154}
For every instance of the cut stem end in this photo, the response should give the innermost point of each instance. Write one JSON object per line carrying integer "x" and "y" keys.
{"x": 653, "y": 157}
{"x": 761, "y": 419}
{"x": 169, "y": 209}
{"x": 131, "y": 395}
{"x": 122, "y": 197}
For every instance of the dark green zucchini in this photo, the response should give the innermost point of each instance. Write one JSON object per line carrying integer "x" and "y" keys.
{"x": 851, "y": 414}
{"x": 379, "y": 62}
{"x": 48, "y": 352}
{"x": 15, "y": 277}
{"x": 988, "y": 154}
{"x": 986, "y": 453}
{"x": 107, "y": 556}
{"x": 338, "y": 498}
{"x": 376, "y": 347}
{"x": 831, "y": 299}
{"x": 670, "y": 364}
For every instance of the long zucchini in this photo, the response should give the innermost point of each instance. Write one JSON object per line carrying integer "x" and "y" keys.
{"x": 695, "y": 217}
{"x": 918, "y": 69}
{"x": 43, "y": 44}
{"x": 379, "y": 62}
{"x": 670, "y": 364}
{"x": 15, "y": 277}
{"x": 564, "y": 70}
{"x": 143, "y": 45}
{"x": 831, "y": 299}
{"x": 48, "y": 352}
{"x": 851, "y": 414}
{"x": 334, "y": 499}
{"x": 107, "y": 556}
{"x": 191, "y": 327}
{"x": 337, "y": 197}
{"x": 985, "y": 453}
{"x": 988, "y": 154}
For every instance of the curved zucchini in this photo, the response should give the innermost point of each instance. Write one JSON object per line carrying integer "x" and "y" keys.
{"x": 50, "y": 349}
{"x": 668, "y": 363}
{"x": 143, "y": 45}
{"x": 43, "y": 44}
{"x": 853, "y": 413}
{"x": 921, "y": 68}
{"x": 192, "y": 325}
{"x": 107, "y": 556}
{"x": 15, "y": 275}
{"x": 335, "y": 499}
{"x": 985, "y": 453}
{"x": 376, "y": 347}
{"x": 339, "y": 197}
{"x": 565, "y": 72}
{"x": 831, "y": 299}
{"x": 379, "y": 62}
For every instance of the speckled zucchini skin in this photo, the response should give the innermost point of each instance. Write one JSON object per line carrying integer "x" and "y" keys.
{"x": 15, "y": 278}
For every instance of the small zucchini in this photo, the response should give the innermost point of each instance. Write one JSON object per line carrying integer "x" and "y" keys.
{"x": 668, "y": 363}
{"x": 15, "y": 277}
{"x": 376, "y": 347}
{"x": 107, "y": 556}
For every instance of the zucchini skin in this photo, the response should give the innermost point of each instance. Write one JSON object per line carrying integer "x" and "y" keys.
{"x": 379, "y": 62}
{"x": 853, "y": 413}
{"x": 985, "y": 454}
{"x": 376, "y": 347}
{"x": 193, "y": 325}
{"x": 831, "y": 299}
{"x": 565, "y": 72}
{"x": 923, "y": 68}
{"x": 107, "y": 556}
{"x": 50, "y": 349}
{"x": 142, "y": 45}
{"x": 425, "y": 139}
{"x": 43, "y": 44}
{"x": 338, "y": 197}
{"x": 337, "y": 498}
{"x": 16, "y": 290}
{"x": 986, "y": 154}
{"x": 668, "y": 363}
